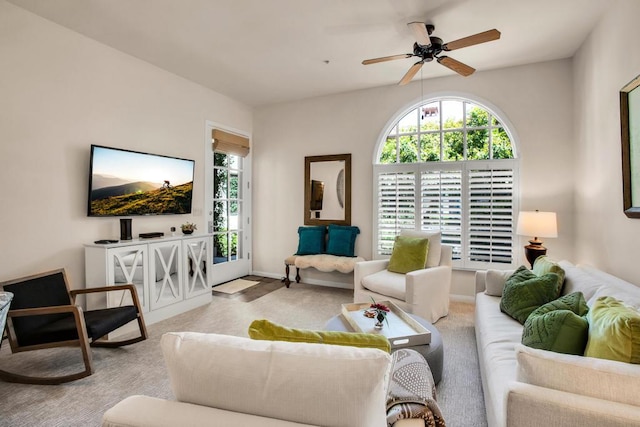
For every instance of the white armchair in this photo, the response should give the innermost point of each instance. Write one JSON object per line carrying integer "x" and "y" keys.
{"x": 424, "y": 293}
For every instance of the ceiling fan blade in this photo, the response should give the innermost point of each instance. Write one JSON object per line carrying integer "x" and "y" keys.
{"x": 457, "y": 66}
{"x": 386, "y": 58}
{"x": 420, "y": 33}
{"x": 484, "y": 37}
{"x": 412, "y": 72}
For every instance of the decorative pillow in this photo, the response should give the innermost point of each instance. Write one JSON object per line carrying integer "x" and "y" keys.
{"x": 409, "y": 254}
{"x": 544, "y": 265}
{"x": 311, "y": 240}
{"x": 523, "y": 294}
{"x": 342, "y": 240}
{"x": 435, "y": 243}
{"x": 614, "y": 331}
{"x": 495, "y": 281}
{"x": 559, "y": 325}
{"x": 266, "y": 330}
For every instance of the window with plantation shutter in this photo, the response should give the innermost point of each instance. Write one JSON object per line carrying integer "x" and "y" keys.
{"x": 449, "y": 164}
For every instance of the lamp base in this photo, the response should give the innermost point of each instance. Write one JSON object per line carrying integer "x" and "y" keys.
{"x": 534, "y": 250}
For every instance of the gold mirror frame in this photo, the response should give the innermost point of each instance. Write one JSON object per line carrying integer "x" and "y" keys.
{"x": 630, "y": 127}
{"x": 329, "y": 187}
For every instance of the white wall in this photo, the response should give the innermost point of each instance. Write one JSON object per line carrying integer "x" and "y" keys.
{"x": 607, "y": 61}
{"x": 60, "y": 92}
{"x": 537, "y": 99}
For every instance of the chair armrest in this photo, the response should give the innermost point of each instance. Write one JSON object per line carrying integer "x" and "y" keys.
{"x": 427, "y": 283}
{"x": 129, "y": 287}
{"x": 367, "y": 268}
{"x": 38, "y": 311}
{"x": 529, "y": 406}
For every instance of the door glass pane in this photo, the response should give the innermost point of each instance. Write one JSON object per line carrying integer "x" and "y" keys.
{"x": 220, "y": 183}
{"x": 234, "y": 215}
{"x": 220, "y": 215}
{"x": 233, "y": 185}
{"x": 220, "y": 159}
{"x": 233, "y": 245}
{"x": 234, "y": 162}
{"x": 220, "y": 248}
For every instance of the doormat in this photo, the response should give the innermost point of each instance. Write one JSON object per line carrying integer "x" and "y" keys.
{"x": 235, "y": 286}
{"x": 262, "y": 287}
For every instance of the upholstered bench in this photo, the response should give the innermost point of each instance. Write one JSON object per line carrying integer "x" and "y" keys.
{"x": 321, "y": 262}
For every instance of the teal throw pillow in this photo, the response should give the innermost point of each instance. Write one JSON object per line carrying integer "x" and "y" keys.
{"x": 409, "y": 254}
{"x": 560, "y": 325}
{"x": 342, "y": 240}
{"x": 311, "y": 240}
{"x": 522, "y": 295}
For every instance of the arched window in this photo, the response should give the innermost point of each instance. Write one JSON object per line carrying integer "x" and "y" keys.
{"x": 449, "y": 164}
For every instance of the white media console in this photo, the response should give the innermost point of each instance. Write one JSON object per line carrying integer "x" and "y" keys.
{"x": 171, "y": 274}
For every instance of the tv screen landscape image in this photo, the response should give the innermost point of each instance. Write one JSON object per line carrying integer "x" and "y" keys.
{"x": 124, "y": 183}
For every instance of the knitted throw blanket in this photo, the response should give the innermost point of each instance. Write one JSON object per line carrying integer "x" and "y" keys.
{"x": 411, "y": 391}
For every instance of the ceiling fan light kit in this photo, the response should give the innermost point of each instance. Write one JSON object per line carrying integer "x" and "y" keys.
{"x": 428, "y": 48}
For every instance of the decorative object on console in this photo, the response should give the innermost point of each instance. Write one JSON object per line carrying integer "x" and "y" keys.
{"x": 125, "y": 229}
{"x": 188, "y": 228}
{"x": 151, "y": 235}
{"x": 537, "y": 224}
{"x": 379, "y": 312}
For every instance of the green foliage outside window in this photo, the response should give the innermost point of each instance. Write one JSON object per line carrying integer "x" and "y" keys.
{"x": 481, "y": 131}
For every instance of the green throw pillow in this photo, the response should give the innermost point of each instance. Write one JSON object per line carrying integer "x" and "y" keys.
{"x": 522, "y": 294}
{"x": 559, "y": 325}
{"x": 614, "y": 331}
{"x": 544, "y": 265}
{"x": 266, "y": 330}
{"x": 409, "y": 254}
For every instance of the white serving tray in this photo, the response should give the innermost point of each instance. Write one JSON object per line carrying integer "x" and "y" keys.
{"x": 400, "y": 329}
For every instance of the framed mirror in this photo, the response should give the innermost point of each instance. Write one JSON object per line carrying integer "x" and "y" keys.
{"x": 327, "y": 190}
{"x": 630, "y": 127}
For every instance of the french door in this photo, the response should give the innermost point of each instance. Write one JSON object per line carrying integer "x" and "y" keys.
{"x": 228, "y": 203}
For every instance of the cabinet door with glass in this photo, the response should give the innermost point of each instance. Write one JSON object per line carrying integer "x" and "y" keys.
{"x": 128, "y": 264}
{"x": 196, "y": 265}
{"x": 165, "y": 284}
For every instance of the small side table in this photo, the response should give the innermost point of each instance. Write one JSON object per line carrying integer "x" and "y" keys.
{"x": 5, "y": 303}
{"x": 433, "y": 352}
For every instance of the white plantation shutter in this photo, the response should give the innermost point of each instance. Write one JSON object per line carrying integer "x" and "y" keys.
{"x": 441, "y": 198}
{"x": 396, "y": 207}
{"x": 491, "y": 216}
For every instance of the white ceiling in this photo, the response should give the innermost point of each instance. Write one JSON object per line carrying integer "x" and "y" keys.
{"x": 266, "y": 51}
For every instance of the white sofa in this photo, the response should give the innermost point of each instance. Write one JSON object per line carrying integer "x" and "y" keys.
{"x": 527, "y": 387}
{"x": 221, "y": 380}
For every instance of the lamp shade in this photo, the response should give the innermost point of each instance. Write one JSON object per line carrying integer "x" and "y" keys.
{"x": 537, "y": 224}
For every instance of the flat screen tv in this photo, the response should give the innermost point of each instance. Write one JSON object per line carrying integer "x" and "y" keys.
{"x": 125, "y": 183}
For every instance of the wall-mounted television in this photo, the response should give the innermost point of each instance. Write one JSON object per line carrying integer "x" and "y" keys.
{"x": 125, "y": 183}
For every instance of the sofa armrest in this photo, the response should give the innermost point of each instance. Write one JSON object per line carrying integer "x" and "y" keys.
{"x": 533, "y": 406}
{"x": 145, "y": 411}
{"x": 366, "y": 268}
{"x": 481, "y": 281}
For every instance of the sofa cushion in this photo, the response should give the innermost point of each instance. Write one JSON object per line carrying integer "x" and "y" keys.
{"x": 435, "y": 244}
{"x": 614, "y": 331}
{"x": 289, "y": 381}
{"x": 409, "y": 254}
{"x": 311, "y": 240}
{"x": 266, "y": 330}
{"x": 586, "y": 376}
{"x": 544, "y": 265}
{"x": 558, "y": 325}
{"x": 613, "y": 286}
{"x": 522, "y": 293}
{"x": 386, "y": 283}
{"x": 342, "y": 240}
{"x": 495, "y": 280}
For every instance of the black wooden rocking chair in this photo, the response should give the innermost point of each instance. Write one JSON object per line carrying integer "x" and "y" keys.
{"x": 44, "y": 314}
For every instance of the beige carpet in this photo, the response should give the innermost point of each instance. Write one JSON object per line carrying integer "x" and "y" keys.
{"x": 139, "y": 369}
{"x": 235, "y": 286}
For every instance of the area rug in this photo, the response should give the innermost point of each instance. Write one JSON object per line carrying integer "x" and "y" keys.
{"x": 235, "y": 286}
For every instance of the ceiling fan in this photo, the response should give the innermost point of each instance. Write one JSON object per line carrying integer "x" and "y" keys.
{"x": 428, "y": 48}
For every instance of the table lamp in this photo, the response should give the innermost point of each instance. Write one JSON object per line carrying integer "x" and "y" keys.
{"x": 537, "y": 224}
